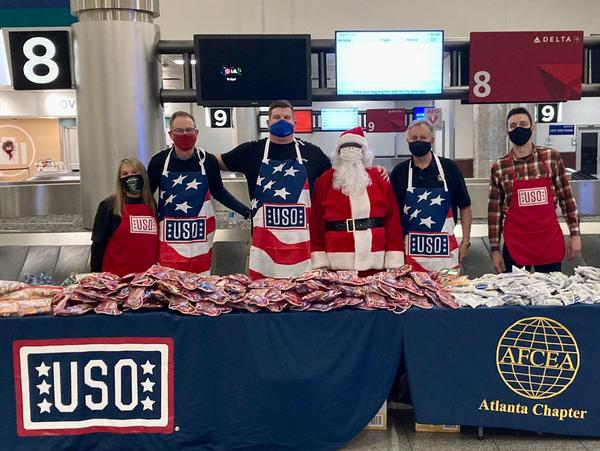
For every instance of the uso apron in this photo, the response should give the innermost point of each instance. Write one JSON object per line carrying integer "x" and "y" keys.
{"x": 532, "y": 233}
{"x": 428, "y": 226}
{"x": 186, "y": 219}
{"x": 133, "y": 246}
{"x": 280, "y": 211}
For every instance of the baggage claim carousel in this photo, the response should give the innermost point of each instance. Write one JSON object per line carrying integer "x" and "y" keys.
{"x": 41, "y": 229}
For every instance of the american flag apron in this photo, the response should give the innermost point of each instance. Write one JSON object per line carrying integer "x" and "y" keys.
{"x": 428, "y": 226}
{"x": 186, "y": 219}
{"x": 280, "y": 211}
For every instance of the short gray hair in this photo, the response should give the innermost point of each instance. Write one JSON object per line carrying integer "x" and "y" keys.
{"x": 425, "y": 122}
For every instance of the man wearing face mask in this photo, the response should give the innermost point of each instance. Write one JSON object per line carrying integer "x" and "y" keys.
{"x": 355, "y": 223}
{"x": 525, "y": 187}
{"x": 430, "y": 192}
{"x": 187, "y": 179}
{"x": 280, "y": 171}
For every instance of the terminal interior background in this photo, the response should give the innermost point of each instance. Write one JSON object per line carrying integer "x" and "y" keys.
{"x": 41, "y": 227}
{"x": 40, "y": 193}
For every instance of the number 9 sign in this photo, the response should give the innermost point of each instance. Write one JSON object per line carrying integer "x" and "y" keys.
{"x": 547, "y": 113}
{"x": 220, "y": 117}
{"x": 40, "y": 59}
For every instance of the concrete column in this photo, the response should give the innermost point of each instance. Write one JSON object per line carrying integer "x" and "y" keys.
{"x": 117, "y": 77}
{"x": 245, "y": 125}
{"x": 489, "y": 137}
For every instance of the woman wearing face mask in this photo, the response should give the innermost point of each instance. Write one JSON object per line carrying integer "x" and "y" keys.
{"x": 125, "y": 233}
{"x": 526, "y": 185}
{"x": 355, "y": 223}
{"x": 431, "y": 191}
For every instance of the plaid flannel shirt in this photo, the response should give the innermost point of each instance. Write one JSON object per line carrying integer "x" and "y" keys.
{"x": 530, "y": 167}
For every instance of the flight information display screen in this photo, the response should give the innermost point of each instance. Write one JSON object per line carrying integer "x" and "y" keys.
{"x": 389, "y": 63}
{"x": 338, "y": 119}
{"x": 252, "y": 70}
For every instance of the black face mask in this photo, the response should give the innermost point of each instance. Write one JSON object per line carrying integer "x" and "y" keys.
{"x": 519, "y": 135}
{"x": 132, "y": 184}
{"x": 419, "y": 148}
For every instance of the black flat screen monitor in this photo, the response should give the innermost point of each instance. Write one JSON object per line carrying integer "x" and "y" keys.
{"x": 389, "y": 63}
{"x": 252, "y": 70}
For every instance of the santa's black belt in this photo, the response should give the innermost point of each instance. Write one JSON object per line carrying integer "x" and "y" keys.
{"x": 350, "y": 225}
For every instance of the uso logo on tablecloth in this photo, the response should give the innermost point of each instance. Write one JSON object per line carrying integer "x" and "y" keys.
{"x": 77, "y": 386}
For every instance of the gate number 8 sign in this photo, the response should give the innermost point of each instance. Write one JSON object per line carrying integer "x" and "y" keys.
{"x": 40, "y": 59}
{"x": 532, "y": 66}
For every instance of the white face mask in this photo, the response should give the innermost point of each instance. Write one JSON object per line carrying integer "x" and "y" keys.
{"x": 351, "y": 153}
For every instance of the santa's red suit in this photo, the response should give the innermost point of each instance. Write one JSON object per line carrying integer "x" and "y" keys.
{"x": 362, "y": 250}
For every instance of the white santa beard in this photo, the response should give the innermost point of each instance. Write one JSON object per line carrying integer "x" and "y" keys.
{"x": 350, "y": 177}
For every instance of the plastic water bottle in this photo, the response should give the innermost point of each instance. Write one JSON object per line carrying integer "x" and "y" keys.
{"x": 231, "y": 217}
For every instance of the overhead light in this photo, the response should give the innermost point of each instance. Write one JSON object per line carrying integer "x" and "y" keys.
{"x": 180, "y": 62}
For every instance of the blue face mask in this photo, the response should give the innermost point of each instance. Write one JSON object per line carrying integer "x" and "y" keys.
{"x": 281, "y": 128}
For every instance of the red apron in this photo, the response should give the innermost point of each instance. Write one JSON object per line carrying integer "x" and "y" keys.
{"x": 532, "y": 233}
{"x": 134, "y": 245}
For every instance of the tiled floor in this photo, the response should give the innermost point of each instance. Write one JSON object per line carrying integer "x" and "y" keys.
{"x": 401, "y": 436}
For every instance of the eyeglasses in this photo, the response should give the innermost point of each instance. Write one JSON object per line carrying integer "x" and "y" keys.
{"x": 184, "y": 131}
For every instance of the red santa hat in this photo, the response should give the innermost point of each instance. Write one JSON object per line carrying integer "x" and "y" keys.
{"x": 355, "y": 135}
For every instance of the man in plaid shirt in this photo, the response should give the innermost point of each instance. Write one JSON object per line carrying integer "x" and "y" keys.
{"x": 525, "y": 187}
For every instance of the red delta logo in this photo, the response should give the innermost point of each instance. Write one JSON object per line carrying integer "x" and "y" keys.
{"x": 532, "y": 196}
{"x": 142, "y": 224}
{"x": 77, "y": 386}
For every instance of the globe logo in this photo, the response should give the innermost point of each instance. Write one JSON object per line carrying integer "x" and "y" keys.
{"x": 537, "y": 357}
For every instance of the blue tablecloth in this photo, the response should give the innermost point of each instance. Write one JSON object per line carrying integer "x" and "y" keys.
{"x": 263, "y": 381}
{"x": 528, "y": 368}
{"x": 158, "y": 380}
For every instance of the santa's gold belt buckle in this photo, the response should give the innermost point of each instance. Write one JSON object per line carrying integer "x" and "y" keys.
{"x": 350, "y": 225}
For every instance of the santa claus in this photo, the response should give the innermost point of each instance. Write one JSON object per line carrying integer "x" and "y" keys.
{"x": 354, "y": 219}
